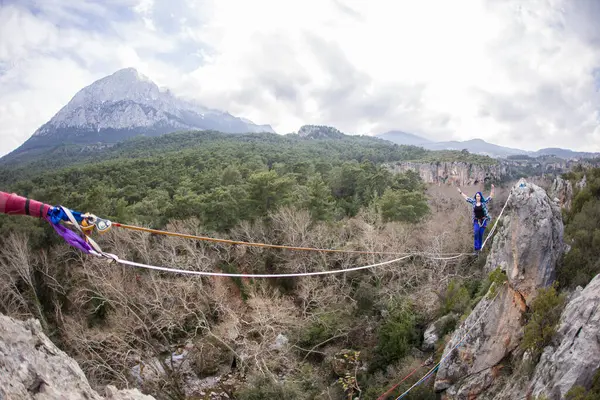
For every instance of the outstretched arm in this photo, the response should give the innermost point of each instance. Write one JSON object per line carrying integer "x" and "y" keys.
{"x": 491, "y": 193}
{"x": 462, "y": 194}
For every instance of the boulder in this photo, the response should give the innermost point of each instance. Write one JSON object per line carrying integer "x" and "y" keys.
{"x": 436, "y": 329}
{"x": 32, "y": 367}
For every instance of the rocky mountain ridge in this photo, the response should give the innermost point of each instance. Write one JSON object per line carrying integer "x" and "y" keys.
{"x": 125, "y": 104}
{"x": 480, "y": 146}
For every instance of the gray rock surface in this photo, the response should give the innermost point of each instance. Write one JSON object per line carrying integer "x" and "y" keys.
{"x": 32, "y": 367}
{"x": 575, "y": 357}
{"x": 530, "y": 241}
{"x": 527, "y": 245}
{"x": 281, "y": 341}
{"x": 126, "y": 104}
{"x": 127, "y": 99}
{"x": 457, "y": 173}
{"x": 433, "y": 332}
{"x": 562, "y": 191}
{"x": 471, "y": 368}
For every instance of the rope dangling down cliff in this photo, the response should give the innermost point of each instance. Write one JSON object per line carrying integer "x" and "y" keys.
{"x": 86, "y": 222}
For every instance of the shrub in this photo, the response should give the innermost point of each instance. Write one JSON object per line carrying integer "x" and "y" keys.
{"x": 542, "y": 319}
{"x": 210, "y": 357}
{"x": 402, "y": 205}
{"x": 496, "y": 278}
{"x": 582, "y": 232}
{"x": 478, "y": 289}
{"x": 323, "y": 326}
{"x": 581, "y": 264}
{"x": 263, "y": 388}
{"x": 421, "y": 393}
{"x": 455, "y": 299}
{"x": 581, "y": 393}
{"x": 397, "y": 335}
{"x": 365, "y": 297}
{"x": 446, "y": 325}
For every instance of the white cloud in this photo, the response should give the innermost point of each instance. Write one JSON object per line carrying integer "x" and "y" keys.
{"x": 514, "y": 73}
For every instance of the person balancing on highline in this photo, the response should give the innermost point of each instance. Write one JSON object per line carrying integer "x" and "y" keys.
{"x": 481, "y": 216}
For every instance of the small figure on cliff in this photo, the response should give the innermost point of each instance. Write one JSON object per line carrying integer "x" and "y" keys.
{"x": 480, "y": 215}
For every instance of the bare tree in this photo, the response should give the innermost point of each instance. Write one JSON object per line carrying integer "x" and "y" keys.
{"x": 18, "y": 286}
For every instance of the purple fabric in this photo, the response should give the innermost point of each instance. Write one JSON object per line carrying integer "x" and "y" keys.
{"x": 71, "y": 237}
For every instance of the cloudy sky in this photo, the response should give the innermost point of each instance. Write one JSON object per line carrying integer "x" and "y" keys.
{"x": 517, "y": 73}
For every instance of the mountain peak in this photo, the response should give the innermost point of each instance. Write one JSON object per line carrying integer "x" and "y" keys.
{"x": 126, "y": 71}
{"x": 476, "y": 140}
{"x": 319, "y": 132}
{"x": 128, "y": 74}
{"x": 403, "y": 138}
{"x": 127, "y": 103}
{"x": 124, "y": 84}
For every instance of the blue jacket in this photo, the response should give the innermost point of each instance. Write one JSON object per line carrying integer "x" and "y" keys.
{"x": 484, "y": 202}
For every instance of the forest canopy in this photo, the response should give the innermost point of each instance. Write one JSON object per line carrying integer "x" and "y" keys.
{"x": 223, "y": 179}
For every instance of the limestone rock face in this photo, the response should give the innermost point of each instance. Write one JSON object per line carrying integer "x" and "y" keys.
{"x": 497, "y": 330}
{"x": 527, "y": 244}
{"x": 32, "y": 367}
{"x": 575, "y": 355}
{"x": 530, "y": 241}
{"x": 457, "y": 173}
{"x": 563, "y": 191}
{"x": 582, "y": 183}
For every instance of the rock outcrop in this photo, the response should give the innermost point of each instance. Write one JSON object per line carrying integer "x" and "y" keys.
{"x": 582, "y": 183}
{"x": 527, "y": 247}
{"x": 456, "y": 173}
{"x": 530, "y": 241}
{"x": 436, "y": 329}
{"x": 32, "y": 367}
{"x": 562, "y": 192}
{"x": 575, "y": 355}
{"x": 472, "y": 368}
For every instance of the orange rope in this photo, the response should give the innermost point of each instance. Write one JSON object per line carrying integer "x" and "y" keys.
{"x": 275, "y": 246}
{"x": 386, "y": 394}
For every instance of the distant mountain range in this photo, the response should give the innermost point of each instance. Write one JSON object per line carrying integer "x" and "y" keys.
{"x": 127, "y": 104}
{"x": 479, "y": 146}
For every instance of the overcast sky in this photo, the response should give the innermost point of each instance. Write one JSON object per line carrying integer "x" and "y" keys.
{"x": 517, "y": 73}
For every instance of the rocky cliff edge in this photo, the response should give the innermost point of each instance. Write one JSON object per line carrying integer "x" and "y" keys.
{"x": 32, "y": 367}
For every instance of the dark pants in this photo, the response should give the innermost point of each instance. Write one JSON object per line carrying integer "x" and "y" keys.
{"x": 478, "y": 232}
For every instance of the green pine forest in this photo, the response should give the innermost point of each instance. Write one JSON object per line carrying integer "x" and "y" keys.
{"x": 223, "y": 178}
